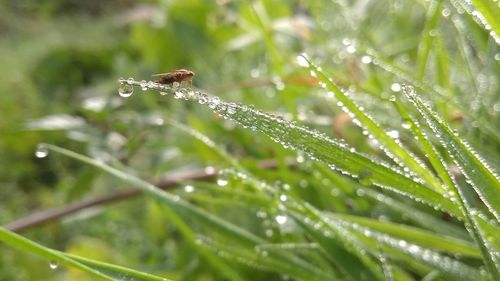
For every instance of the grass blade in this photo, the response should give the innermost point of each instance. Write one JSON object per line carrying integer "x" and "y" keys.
{"x": 393, "y": 148}
{"x": 98, "y": 269}
{"x": 482, "y": 179}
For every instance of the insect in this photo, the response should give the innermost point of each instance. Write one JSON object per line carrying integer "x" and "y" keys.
{"x": 179, "y": 76}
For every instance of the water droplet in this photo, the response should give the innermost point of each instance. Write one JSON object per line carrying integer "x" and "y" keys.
{"x": 393, "y": 134}
{"x": 283, "y": 197}
{"x": 396, "y": 87}
{"x": 231, "y": 108}
{"x": 445, "y": 12}
{"x": 188, "y": 188}
{"x": 406, "y": 125}
{"x": 130, "y": 81}
{"x": 302, "y": 60}
{"x": 53, "y": 264}
{"x": 222, "y": 180}
{"x": 144, "y": 85}
{"x": 178, "y": 95}
{"x": 41, "y": 151}
{"x": 125, "y": 90}
{"x": 366, "y": 59}
{"x": 365, "y": 176}
{"x": 202, "y": 98}
{"x": 213, "y": 102}
{"x": 280, "y": 219}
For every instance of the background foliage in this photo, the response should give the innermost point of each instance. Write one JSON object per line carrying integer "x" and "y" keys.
{"x": 394, "y": 218}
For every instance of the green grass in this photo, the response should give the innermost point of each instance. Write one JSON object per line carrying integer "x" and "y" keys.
{"x": 340, "y": 141}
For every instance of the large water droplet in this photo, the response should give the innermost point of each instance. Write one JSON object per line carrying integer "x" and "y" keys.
{"x": 41, "y": 151}
{"x": 125, "y": 90}
{"x": 302, "y": 60}
{"x": 280, "y": 219}
{"x": 53, "y": 264}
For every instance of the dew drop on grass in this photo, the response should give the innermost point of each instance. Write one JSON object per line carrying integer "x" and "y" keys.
{"x": 188, "y": 188}
{"x": 222, "y": 180}
{"x": 130, "y": 81}
{"x": 280, "y": 219}
{"x": 231, "y": 108}
{"x": 213, "y": 102}
{"x": 144, "y": 85}
{"x": 53, "y": 264}
{"x": 41, "y": 151}
{"x": 125, "y": 90}
{"x": 396, "y": 87}
{"x": 366, "y": 59}
{"x": 302, "y": 61}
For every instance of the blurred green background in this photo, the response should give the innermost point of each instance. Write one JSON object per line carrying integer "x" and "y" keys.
{"x": 59, "y": 62}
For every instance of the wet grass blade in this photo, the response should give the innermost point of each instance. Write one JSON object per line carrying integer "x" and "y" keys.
{"x": 318, "y": 146}
{"x": 98, "y": 269}
{"x": 393, "y": 148}
{"x": 482, "y": 179}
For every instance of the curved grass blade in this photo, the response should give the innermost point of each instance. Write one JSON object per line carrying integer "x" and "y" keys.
{"x": 117, "y": 272}
{"x": 419, "y": 217}
{"x": 102, "y": 270}
{"x": 431, "y": 153}
{"x": 230, "y": 231}
{"x": 407, "y": 250}
{"x": 478, "y": 175}
{"x": 392, "y": 148}
{"x": 490, "y": 11}
{"x": 484, "y": 181}
{"x": 341, "y": 247}
{"x": 424, "y": 238}
{"x": 318, "y": 146}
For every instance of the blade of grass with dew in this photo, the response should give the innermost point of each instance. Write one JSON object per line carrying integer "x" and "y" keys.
{"x": 260, "y": 259}
{"x": 98, "y": 269}
{"x": 406, "y": 248}
{"x": 490, "y": 10}
{"x": 230, "y": 231}
{"x": 425, "y": 46}
{"x": 320, "y": 147}
{"x": 343, "y": 249}
{"x": 115, "y": 271}
{"x": 430, "y": 152}
{"x": 424, "y": 238}
{"x": 210, "y": 256}
{"x": 392, "y": 147}
{"x": 479, "y": 176}
{"x": 488, "y": 22}
{"x": 419, "y": 217}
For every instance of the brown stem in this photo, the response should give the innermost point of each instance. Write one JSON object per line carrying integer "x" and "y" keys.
{"x": 48, "y": 215}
